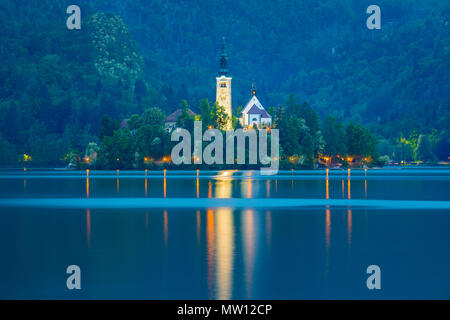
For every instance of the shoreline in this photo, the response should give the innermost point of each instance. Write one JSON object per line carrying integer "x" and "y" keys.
{"x": 171, "y": 169}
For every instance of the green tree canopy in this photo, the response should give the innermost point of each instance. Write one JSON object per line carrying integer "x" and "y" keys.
{"x": 334, "y": 137}
{"x": 359, "y": 141}
{"x": 424, "y": 149}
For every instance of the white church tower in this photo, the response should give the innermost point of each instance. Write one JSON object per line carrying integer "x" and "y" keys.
{"x": 223, "y": 86}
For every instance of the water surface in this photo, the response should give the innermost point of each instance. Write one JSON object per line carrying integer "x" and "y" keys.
{"x": 225, "y": 234}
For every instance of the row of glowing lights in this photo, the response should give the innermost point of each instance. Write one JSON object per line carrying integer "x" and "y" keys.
{"x": 146, "y": 159}
{"x": 86, "y": 159}
{"x": 348, "y": 159}
{"x": 28, "y": 158}
{"x": 222, "y": 174}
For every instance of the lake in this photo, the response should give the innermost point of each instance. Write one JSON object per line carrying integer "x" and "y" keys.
{"x": 225, "y": 234}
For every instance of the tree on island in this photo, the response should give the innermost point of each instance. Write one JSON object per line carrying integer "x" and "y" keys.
{"x": 153, "y": 116}
{"x": 107, "y": 127}
{"x": 185, "y": 120}
{"x": 300, "y": 134}
{"x": 359, "y": 141}
{"x": 442, "y": 146}
{"x": 334, "y": 137}
{"x": 424, "y": 150}
{"x": 220, "y": 118}
{"x": 206, "y": 113}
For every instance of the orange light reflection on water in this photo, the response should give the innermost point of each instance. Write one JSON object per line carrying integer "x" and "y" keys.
{"x": 165, "y": 187}
{"x": 348, "y": 187}
{"x": 209, "y": 189}
{"x": 210, "y": 248}
{"x": 146, "y": 183}
{"x": 327, "y": 238}
{"x": 166, "y": 228}
{"x": 249, "y": 248}
{"x": 349, "y": 226}
{"x": 327, "y": 226}
{"x": 365, "y": 188}
{"x": 88, "y": 226}
{"x": 224, "y": 252}
{"x": 198, "y": 188}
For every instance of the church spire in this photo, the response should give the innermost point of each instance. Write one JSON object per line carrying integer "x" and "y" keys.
{"x": 253, "y": 89}
{"x": 223, "y": 68}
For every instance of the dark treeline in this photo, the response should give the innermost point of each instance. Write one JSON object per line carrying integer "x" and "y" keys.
{"x": 56, "y": 85}
{"x": 142, "y": 141}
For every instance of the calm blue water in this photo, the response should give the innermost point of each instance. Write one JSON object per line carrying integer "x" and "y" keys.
{"x": 225, "y": 235}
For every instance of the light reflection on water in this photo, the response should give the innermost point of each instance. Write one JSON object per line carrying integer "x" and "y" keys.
{"x": 88, "y": 226}
{"x": 277, "y": 249}
{"x": 248, "y": 229}
{"x": 224, "y": 229}
{"x": 327, "y": 237}
{"x": 210, "y": 250}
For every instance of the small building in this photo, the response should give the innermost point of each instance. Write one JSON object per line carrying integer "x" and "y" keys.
{"x": 171, "y": 120}
{"x": 254, "y": 113}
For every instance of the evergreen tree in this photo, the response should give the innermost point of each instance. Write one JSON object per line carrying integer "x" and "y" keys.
{"x": 334, "y": 137}
{"x": 424, "y": 150}
{"x": 359, "y": 141}
{"x": 107, "y": 127}
{"x": 206, "y": 113}
{"x": 185, "y": 120}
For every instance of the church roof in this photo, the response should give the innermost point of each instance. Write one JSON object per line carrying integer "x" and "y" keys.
{"x": 255, "y": 107}
{"x": 255, "y": 110}
{"x": 173, "y": 117}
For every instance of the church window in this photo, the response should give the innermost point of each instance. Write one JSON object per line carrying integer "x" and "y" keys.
{"x": 223, "y": 84}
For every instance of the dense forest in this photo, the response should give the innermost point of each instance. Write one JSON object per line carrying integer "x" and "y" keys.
{"x": 64, "y": 90}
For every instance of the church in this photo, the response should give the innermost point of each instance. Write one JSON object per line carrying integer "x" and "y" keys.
{"x": 253, "y": 114}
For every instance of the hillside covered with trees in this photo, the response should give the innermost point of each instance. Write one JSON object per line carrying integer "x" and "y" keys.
{"x": 61, "y": 90}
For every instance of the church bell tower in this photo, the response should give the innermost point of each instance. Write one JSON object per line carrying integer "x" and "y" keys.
{"x": 223, "y": 86}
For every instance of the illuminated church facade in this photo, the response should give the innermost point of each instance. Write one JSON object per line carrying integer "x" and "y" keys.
{"x": 253, "y": 114}
{"x": 223, "y": 86}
